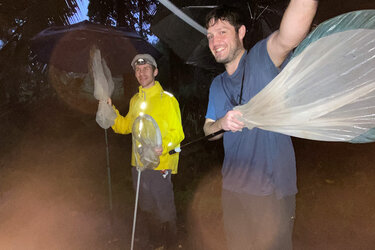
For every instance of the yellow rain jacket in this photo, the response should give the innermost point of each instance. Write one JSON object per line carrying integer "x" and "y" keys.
{"x": 164, "y": 108}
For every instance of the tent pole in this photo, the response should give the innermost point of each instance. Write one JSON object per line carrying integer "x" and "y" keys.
{"x": 183, "y": 16}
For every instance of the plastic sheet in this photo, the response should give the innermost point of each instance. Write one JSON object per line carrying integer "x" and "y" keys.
{"x": 327, "y": 91}
{"x": 103, "y": 88}
{"x": 146, "y": 137}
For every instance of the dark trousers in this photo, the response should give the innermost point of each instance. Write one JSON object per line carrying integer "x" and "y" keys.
{"x": 156, "y": 219}
{"x": 156, "y": 194}
{"x": 258, "y": 222}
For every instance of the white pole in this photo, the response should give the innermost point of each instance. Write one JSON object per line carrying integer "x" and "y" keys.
{"x": 183, "y": 16}
{"x": 135, "y": 208}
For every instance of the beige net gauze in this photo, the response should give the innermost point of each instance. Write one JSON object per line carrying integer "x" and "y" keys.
{"x": 327, "y": 92}
{"x": 103, "y": 88}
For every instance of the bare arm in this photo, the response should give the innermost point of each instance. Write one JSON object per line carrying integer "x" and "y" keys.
{"x": 229, "y": 122}
{"x": 294, "y": 26}
{"x": 210, "y": 126}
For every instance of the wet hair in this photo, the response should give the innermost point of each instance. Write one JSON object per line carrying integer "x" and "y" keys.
{"x": 232, "y": 15}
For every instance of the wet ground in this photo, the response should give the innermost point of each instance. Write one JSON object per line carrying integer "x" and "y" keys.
{"x": 54, "y": 188}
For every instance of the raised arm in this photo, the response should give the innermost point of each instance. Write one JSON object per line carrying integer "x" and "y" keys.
{"x": 294, "y": 26}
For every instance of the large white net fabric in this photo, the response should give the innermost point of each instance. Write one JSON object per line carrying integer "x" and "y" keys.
{"x": 327, "y": 91}
{"x": 146, "y": 138}
{"x": 103, "y": 88}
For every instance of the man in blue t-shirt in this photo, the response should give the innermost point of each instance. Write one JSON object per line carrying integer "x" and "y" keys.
{"x": 259, "y": 173}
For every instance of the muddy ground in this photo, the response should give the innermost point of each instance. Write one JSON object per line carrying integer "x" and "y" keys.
{"x": 54, "y": 188}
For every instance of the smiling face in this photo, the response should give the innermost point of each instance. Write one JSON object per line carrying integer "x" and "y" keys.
{"x": 145, "y": 75}
{"x": 224, "y": 42}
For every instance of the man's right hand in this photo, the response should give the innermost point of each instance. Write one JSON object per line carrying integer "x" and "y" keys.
{"x": 230, "y": 122}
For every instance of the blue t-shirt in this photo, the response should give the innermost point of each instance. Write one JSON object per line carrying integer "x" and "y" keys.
{"x": 256, "y": 162}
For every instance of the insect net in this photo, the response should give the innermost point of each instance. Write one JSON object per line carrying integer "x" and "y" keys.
{"x": 327, "y": 91}
{"x": 146, "y": 137}
{"x": 103, "y": 88}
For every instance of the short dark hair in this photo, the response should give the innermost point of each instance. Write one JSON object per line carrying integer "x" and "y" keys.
{"x": 231, "y": 14}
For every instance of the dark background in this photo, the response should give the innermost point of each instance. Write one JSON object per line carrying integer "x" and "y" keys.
{"x": 53, "y": 172}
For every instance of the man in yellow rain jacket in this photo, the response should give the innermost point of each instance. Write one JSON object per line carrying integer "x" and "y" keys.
{"x": 156, "y": 198}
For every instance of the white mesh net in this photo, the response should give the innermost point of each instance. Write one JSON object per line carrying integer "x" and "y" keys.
{"x": 146, "y": 138}
{"x": 103, "y": 88}
{"x": 326, "y": 93}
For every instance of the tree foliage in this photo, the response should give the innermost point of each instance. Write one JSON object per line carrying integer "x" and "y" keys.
{"x": 135, "y": 15}
{"x": 21, "y": 77}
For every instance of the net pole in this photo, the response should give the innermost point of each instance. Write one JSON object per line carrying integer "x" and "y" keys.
{"x": 108, "y": 172}
{"x": 135, "y": 208}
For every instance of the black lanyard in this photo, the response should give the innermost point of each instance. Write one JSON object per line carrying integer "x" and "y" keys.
{"x": 230, "y": 97}
{"x": 243, "y": 78}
